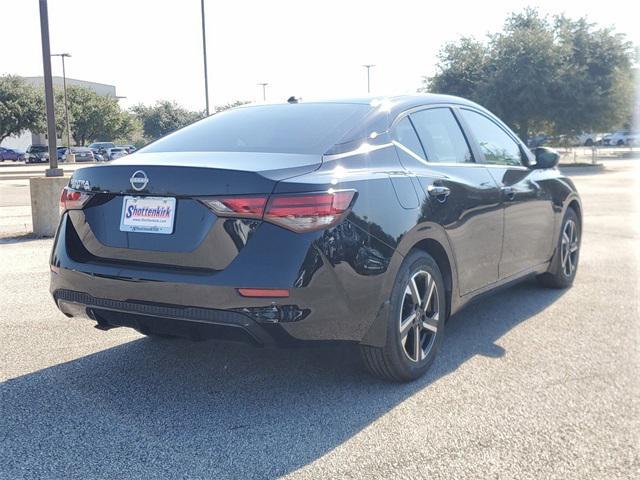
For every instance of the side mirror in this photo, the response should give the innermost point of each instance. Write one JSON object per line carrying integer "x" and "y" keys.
{"x": 546, "y": 157}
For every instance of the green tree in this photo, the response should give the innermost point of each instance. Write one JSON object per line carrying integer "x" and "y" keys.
{"x": 60, "y": 115}
{"x": 463, "y": 67}
{"x": 164, "y": 117}
{"x": 20, "y": 107}
{"x": 227, "y": 106}
{"x": 538, "y": 73}
{"x": 96, "y": 117}
{"x": 594, "y": 87}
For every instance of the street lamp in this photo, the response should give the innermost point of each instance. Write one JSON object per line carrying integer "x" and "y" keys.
{"x": 368, "y": 67}
{"x": 66, "y": 109}
{"x": 204, "y": 56}
{"x": 264, "y": 91}
{"x": 53, "y": 170}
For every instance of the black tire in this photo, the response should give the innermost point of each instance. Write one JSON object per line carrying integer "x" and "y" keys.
{"x": 588, "y": 143}
{"x": 559, "y": 275}
{"x": 393, "y": 362}
{"x": 620, "y": 143}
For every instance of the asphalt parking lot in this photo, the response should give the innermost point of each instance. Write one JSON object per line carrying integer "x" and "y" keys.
{"x": 530, "y": 383}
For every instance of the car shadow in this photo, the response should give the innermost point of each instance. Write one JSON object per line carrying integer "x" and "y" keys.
{"x": 169, "y": 408}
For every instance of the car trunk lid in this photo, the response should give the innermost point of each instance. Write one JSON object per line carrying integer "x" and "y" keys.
{"x": 199, "y": 239}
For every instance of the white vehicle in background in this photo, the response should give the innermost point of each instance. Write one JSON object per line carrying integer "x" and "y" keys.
{"x": 115, "y": 152}
{"x": 623, "y": 137}
{"x": 589, "y": 139}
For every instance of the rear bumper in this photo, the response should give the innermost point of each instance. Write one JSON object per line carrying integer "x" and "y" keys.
{"x": 161, "y": 319}
{"x": 331, "y": 298}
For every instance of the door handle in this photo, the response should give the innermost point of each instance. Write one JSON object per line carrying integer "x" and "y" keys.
{"x": 509, "y": 192}
{"x": 439, "y": 192}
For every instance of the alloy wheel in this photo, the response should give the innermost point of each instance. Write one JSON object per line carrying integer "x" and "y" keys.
{"x": 419, "y": 316}
{"x": 569, "y": 247}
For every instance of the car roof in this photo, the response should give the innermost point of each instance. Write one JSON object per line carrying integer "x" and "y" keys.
{"x": 395, "y": 104}
{"x": 401, "y": 102}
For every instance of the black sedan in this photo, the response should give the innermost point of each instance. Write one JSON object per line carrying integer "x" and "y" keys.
{"x": 37, "y": 154}
{"x": 368, "y": 221}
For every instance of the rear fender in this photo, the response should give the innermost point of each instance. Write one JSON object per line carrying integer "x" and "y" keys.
{"x": 377, "y": 334}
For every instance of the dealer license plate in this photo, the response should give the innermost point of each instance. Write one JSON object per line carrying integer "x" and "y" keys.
{"x": 148, "y": 214}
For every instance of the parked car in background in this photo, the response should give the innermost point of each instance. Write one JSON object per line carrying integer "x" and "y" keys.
{"x": 128, "y": 148}
{"x": 21, "y": 153}
{"x": 101, "y": 145}
{"x": 622, "y": 137}
{"x": 83, "y": 154}
{"x": 115, "y": 152}
{"x": 9, "y": 154}
{"x": 37, "y": 154}
{"x": 366, "y": 221}
{"x": 101, "y": 148}
{"x": 589, "y": 139}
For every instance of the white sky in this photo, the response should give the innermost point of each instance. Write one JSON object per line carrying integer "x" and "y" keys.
{"x": 152, "y": 49}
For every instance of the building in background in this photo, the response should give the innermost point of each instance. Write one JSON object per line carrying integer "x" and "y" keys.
{"x": 27, "y": 138}
{"x": 99, "y": 88}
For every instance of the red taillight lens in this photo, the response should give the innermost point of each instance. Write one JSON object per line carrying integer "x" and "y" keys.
{"x": 246, "y": 207}
{"x": 73, "y": 199}
{"x": 310, "y": 211}
{"x": 298, "y": 212}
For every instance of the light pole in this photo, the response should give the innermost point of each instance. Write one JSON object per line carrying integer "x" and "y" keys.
{"x": 264, "y": 91}
{"x": 53, "y": 170}
{"x": 204, "y": 56}
{"x": 64, "y": 87}
{"x": 368, "y": 67}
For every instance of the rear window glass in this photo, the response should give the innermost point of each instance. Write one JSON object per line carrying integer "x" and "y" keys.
{"x": 291, "y": 128}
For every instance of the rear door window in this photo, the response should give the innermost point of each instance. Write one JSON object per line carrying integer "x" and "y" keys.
{"x": 407, "y": 142}
{"x": 441, "y": 136}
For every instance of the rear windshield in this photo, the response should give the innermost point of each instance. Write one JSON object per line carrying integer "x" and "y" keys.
{"x": 310, "y": 128}
{"x": 38, "y": 148}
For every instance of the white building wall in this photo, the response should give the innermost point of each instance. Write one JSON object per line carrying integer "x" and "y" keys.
{"x": 20, "y": 142}
{"x": 99, "y": 88}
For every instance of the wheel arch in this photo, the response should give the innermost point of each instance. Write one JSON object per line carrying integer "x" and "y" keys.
{"x": 435, "y": 249}
{"x": 571, "y": 202}
{"x": 575, "y": 205}
{"x": 433, "y": 241}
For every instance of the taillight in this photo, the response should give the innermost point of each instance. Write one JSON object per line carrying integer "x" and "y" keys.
{"x": 245, "y": 207}
{"x": 298, "y": 212}
{"x": 309, "y": 211}
{"x": 73, "y": 199}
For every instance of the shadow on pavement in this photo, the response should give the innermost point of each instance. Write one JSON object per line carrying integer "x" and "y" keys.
{"x": 169, "y": 408}
{"x": 20, "y": 238}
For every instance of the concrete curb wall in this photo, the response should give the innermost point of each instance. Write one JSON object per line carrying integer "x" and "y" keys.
{"x": 45, "y": 204}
